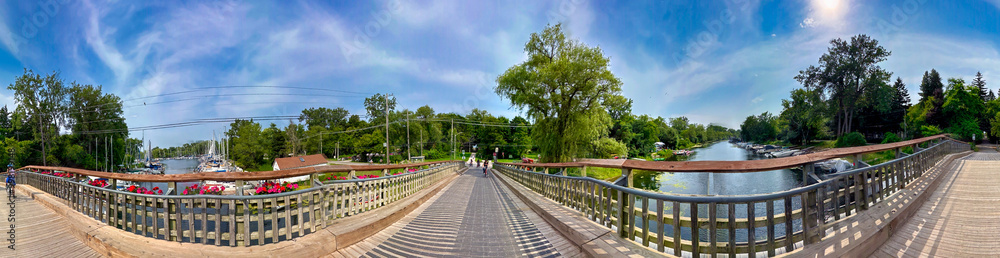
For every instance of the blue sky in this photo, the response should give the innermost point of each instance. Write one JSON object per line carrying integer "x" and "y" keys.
{"x": 712, "y": 61}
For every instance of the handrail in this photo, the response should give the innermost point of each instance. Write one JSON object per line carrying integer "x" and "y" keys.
{"x": 727, "y": 198}
{"x": 233, "y": 176}
{"x": 790, "y": 219}
{"x": 237, "y": 220}
{"x": 737, "y": 166}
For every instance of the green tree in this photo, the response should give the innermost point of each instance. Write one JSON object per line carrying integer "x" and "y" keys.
{"x": 803, "y": 115}
{"x": 41, "y": 99}
{"x": 980, "y": 85}
{"x": 932, "y": 91}
{"x": 567, "y": 88}
{"x": 760, "y": 128}
{"x": 606, "y": 148}
{"x": 246, "y": 141}
{"x": 324, "y": 117}
{"x": 962, "y": 107}
{"x": 375, "y": 106}
{"x": 521, "y": 137}
{"x": 847, "y": 72}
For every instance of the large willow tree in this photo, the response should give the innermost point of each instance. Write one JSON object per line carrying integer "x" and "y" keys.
{"x": 566, "y": 87}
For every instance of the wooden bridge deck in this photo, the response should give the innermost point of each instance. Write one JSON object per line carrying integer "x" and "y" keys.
{"x": 475, "y": 216}
{"x": 39, "y": 232}
{"x": 960, "y": 219}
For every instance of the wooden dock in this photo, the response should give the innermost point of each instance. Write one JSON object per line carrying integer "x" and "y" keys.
{"x": 40, "y": 232}
{"x": 960, "y": 219}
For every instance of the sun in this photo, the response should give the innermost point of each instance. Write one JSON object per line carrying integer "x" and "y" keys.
{"x": 828, "y": 4}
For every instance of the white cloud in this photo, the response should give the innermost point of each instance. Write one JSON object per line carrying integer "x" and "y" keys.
{"x": 808, "y": 23}
{"x": 756, "y": 100}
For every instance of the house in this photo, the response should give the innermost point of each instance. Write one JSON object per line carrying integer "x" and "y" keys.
{"x": 298, "y": 162}
{"x": 659, "y": 145}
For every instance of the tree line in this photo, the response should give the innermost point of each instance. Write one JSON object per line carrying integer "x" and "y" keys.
{"x": 848, "y": 93}
{"x": 47, "y": 107}
{"x": 573, "y": 106}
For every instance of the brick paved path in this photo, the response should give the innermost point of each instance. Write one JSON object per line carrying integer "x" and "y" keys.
{"x": 475, "y": 216}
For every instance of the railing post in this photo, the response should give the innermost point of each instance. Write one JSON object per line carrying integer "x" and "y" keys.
{"x": 627, "y": 173}
{"x": 583, "y": 171}
{"x": 899, "y": 152}
{"x": 350, "y": 175}
{"x": 563, "y": 171}
{"x": 546, "y": 171}
{"x": 239, "y": 187}
{"x": 172, "y": 188}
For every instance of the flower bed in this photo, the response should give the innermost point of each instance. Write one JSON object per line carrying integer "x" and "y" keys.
{"x": 98, "y": 183}
{"x": 336, "y": 178}
{"x": 58, "y": 174}
{"x": 273, "y": 188}
{"x": 367, "y": 176}
{"x": 143, "y": 190}
{"x": 204, "y": 189}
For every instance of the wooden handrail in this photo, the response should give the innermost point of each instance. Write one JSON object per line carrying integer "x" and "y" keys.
{"x": 735, "y": 166}
{"x": 231, "y": 176}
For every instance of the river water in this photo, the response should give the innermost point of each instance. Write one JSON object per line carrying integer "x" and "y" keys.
{"x": 703, "y": 183}
{"x": 719, "y": 183}
{"x": 175, "y": 166}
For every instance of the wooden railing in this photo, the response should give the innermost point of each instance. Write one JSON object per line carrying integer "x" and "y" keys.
{"x": 764, "y": 224}
{"x": 229, "y": 220}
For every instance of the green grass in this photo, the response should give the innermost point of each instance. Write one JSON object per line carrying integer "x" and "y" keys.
{"x": 876, "y": 158}
{"x": 606, "y": 174}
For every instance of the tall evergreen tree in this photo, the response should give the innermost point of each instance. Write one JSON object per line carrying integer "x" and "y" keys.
{"x": 980, "y": 85}
{"x": 932, "y": 91}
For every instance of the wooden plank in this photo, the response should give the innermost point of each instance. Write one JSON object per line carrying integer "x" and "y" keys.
{"x": 659, "y": 225}
{"x": 770, "y": 228}
{"x": 677, "y": 228}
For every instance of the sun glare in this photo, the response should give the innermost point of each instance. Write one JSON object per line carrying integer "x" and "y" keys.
{"x": 828, "y": 4}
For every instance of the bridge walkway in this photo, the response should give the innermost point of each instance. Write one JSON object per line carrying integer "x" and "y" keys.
{"x": 475, "y": 216}
{"x": 960, "y": 219}
{"x": 39, "y": 231}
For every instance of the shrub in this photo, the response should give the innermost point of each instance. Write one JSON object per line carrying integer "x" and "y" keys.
{"x": 929, "y": 130}
{"x": 891, "y": 138}
{"x": 851, "y": 140}
{"x": 434, "y": 154}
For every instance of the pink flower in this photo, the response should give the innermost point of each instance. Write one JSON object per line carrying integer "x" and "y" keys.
{"x": 185, "y": 191}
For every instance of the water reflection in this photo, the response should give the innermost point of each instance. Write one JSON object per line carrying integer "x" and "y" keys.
{"x": 719, "y": 183}
{"x": 703, "y": 183}
{"x": 175, "y": 166}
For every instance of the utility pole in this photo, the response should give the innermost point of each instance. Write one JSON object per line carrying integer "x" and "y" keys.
{"x": 408, "y": 157}
{"x": 112, "y": 153}
{"x": 321, "y": 143}
{"x": 453, "y": 139}
{"x": 337, "y": 154}
{"x": 386, "y": 99}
